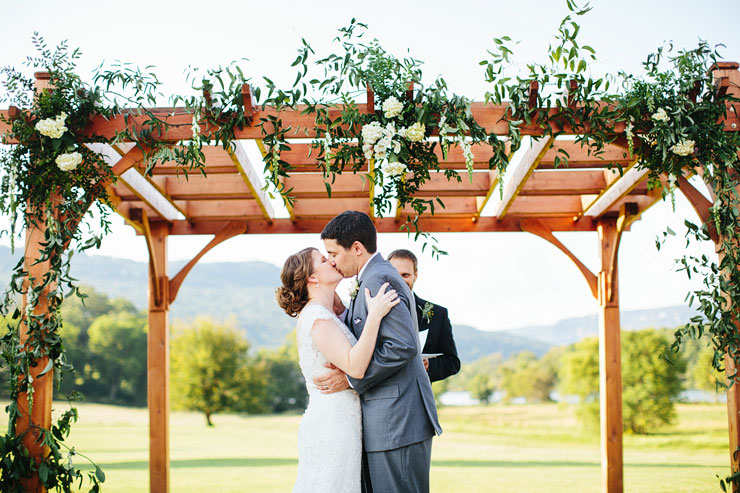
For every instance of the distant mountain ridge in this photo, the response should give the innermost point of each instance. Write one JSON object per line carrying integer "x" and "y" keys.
{"x": 244, "y": 293}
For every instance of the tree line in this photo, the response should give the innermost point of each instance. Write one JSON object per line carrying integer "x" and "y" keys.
{"x": 213, "y": 369}
{"x": 652, "y": 377}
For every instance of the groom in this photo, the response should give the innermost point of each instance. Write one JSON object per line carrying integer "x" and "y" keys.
{"x": 399, "y": 416}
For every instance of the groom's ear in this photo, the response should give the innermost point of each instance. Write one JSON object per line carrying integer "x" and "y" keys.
{"x": 357, "y": 248}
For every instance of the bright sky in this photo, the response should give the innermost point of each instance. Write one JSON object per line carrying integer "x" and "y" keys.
{"x": 491, "y": 281}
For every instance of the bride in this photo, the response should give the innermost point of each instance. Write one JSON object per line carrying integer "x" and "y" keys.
{"x": 330, "y": 435}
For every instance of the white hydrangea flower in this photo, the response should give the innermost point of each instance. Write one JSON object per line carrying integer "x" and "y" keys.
{"x": 415, "y": 133}
{"x": 395, "y": 169}
{"x": 660, "y": 116}
{"x": 684, "y": 148}
{"x": 367, "y": 149}
{"x": 68, "y": 161}
{"x": 392, "y": 107}
{"x": 372, "y": 132}
{"x": 52, "y": 127}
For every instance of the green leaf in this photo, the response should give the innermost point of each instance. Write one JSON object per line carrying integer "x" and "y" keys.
{"x": 99, "y": 474}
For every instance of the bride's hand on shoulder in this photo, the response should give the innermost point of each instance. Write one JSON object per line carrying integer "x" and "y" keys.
{"x": 382, "y": 303}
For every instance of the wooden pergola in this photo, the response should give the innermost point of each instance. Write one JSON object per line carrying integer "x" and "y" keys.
{"x": 538, "y": 198}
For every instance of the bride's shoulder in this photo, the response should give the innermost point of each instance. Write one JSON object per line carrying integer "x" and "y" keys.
{"x": 315, "y": 311}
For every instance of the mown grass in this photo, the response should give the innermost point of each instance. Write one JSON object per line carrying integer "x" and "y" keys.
{"x": 499, "y": 448}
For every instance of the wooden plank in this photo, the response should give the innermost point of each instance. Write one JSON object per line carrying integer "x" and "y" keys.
{"x": 243, "y": 164}
{"x": 582, "y": 157}
{"x": 200, "y": 187}
{"x": 480, "y": 202}
{"x": 439, "y": 185}
{"x": 313, "y": 208}
{"x": 465, "y": 207}
{"x": 312, "y": 185}
{"x": 485, "y": 224}
{"x": 618, "y": 189}
{"x": 229, "y": 209}
{"x": 516, "y": 175}
{"x": 564, "y": 182}
{"x": 158, "y": 369}
{"x": 546, "y": 206}
{"x": 134, "y": 180}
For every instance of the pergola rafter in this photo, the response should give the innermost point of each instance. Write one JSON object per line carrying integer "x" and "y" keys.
{"x": 538, "y": 196}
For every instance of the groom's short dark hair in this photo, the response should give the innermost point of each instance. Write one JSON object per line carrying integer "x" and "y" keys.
{"x": 349, "y": 227}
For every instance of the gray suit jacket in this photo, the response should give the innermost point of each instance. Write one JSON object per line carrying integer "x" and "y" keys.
{"x": 398, "y": 406}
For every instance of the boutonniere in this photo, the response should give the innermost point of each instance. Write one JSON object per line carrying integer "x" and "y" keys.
{"x": 354, "y": 288}
{"x": 427, "y": 312}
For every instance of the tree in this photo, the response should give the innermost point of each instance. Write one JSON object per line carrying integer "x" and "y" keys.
{"x": 523, "y": 375}
{"x": 211, "y": 371}
{"x": 117, "y": 343}
{"x": 481, "y": 387}
{"x": 286, "y": 388}
{"x": 650, "y": 384}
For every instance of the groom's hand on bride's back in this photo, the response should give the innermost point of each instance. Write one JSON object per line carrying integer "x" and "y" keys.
{"x": 334, "y": 380}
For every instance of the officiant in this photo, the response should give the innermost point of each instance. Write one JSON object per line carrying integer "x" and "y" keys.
{"x": 435, "y": 330}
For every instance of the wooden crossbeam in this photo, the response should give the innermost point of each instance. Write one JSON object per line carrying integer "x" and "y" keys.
{"x": 516, "y": 175}
{"x": 481, "y": 201}
{"x": 244, "y": 165}
{"x": 136, "y": 182}
{"x": 615, "y": 192}
{"x": 433, "y": 224}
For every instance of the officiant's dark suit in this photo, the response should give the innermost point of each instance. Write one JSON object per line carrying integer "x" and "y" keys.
{"x": 439, "y": 340}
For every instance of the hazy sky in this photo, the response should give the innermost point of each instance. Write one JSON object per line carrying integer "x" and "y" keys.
{"x": 491, "y": 281}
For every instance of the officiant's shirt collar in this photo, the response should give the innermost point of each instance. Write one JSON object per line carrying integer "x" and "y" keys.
{"x": 359, "y": 275}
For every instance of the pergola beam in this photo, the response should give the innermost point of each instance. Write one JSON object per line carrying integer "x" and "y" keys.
{"x": 137, "y": 183}
{"x": 516, "y": 175}
{"x": 616, "y": 191}
{"x": 247, "y": 172}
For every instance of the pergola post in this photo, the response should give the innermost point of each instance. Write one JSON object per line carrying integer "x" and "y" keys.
{"x": 158, "y": 359}
{"x": 43, "y": 387}
{"x": 40, "y": 414}
{"x": 610, "y": 365}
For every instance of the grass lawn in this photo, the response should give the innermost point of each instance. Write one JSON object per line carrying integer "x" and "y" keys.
{"x": 499, "y": 448}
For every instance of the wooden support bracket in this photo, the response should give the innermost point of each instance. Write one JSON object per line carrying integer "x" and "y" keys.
{"x": 140, "y": 216}
{"x": 231, "y": 229}
{"x": 701, "y": 205}
{"x": 537, "y": 227}
{"x": 628, "y": 214}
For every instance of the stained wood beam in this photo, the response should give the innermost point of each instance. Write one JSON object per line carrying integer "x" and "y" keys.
{"x": 701, "y": 205}
{"x": 136, "y": 182}
{"x": 516, "y": 175}
{"x": 615, "y": 192}
{"x": 461, "y": 224}
{"x": 480, "y": 202}
{"x": 244, "y": 165}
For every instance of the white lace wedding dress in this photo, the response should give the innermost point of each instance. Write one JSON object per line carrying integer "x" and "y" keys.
{"x": 330, "y": 435}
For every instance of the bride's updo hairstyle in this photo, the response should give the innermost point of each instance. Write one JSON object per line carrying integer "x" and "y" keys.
{"x": 292, "y": 296}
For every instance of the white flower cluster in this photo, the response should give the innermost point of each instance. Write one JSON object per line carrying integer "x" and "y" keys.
{"x": 392, "y": 107}
{"x": 395, "y": 169}
{"x": 684, "y": 148}
{"x": 354, "y": 288}
{"x": 52, "y": 127}
{"x": 468, "y": 153}
{"x": 661, "y": 116}
{"x": 195, "y": 127}
{"x": 415, "y": 133}
{"x": 379, "y": 140}
{"x": 68, "y": 161}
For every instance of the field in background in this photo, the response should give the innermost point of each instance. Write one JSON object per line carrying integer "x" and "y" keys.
{"x": 499, "y": 448}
